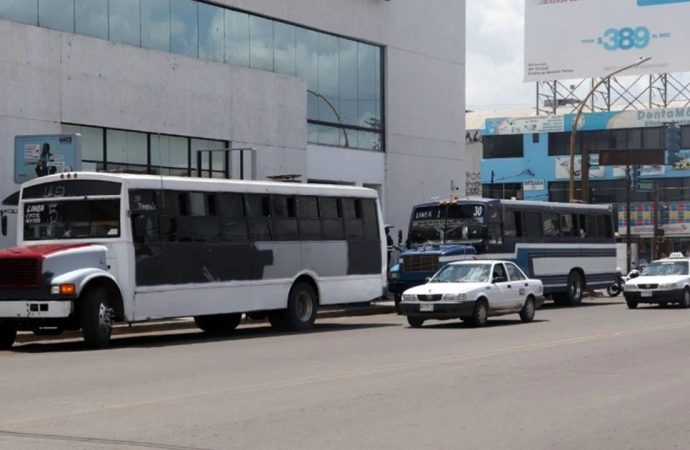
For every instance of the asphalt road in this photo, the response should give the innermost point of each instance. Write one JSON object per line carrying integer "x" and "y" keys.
{"x": 595, "y": 377}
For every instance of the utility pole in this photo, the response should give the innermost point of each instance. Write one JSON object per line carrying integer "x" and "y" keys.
{"x": 628, "y": 250}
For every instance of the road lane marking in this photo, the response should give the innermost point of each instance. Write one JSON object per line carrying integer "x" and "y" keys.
{"x": 418, "y": 364}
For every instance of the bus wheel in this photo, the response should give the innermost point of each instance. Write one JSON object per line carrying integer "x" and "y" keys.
{"x": 301, "y": 309}
{"x": 8, "y": 333}
{"x": 573, "y": 296}
{"x": 218, "y": 323}
{"x": 96, "y": 317}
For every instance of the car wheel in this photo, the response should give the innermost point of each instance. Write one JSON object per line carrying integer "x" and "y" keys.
{"x": 480, "y": 313}
{"x": 415, "y": 322}
{"x": 685, "y": 300}
{"x": 527, "y": 312}
{"x": 632, "y": 304}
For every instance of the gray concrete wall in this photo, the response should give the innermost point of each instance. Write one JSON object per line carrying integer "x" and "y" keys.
{"x": 50, "y": 77}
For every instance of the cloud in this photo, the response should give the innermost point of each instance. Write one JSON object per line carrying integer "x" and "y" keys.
{"x": 495, "y": 54}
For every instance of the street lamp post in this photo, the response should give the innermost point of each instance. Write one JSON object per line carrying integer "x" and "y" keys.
{"x": 585, "y": 195}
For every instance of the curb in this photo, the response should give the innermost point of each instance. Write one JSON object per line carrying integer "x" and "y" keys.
{"x": 187, "y": 323}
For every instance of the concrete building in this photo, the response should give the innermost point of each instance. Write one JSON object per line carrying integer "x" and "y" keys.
{"x": 365, "y": 92}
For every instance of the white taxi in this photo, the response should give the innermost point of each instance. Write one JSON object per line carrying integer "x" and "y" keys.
{"x": 663, "y": 281}
{"x": 473, "y": 291}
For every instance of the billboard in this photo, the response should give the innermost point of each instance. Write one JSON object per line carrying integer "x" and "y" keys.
{"x": 40, "y": 155}
{"x": 566, "y": 39}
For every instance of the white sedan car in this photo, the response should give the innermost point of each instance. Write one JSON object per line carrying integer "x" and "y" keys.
{"x": 663, "y": 281}
{"x": 473, "y": 291}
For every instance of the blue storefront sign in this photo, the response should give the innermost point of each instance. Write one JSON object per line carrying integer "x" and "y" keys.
{"x": 41, "y": 155}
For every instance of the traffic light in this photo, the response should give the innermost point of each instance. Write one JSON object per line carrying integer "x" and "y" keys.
{"x": 672, "y": 143}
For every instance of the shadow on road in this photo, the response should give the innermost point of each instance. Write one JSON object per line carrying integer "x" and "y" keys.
{"x": 454, "y": 324}
{"x": 187, "y": 337}
{"x": 551, "y": 305}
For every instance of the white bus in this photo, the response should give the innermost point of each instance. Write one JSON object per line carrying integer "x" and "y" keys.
{"x": 96, "y": 249}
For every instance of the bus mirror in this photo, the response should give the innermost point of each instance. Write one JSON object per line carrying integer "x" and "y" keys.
{"x": 477, "y": 231}
{"x": 139, "y": 227}
{"x": 4, "y": 225}
{"x": 400, "y": 236}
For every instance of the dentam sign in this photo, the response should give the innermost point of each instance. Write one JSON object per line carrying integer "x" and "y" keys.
{"x": 566, "y": 39}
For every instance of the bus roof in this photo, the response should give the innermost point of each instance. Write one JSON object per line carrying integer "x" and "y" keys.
{"x": 522, "y": 203}
{"x": 205, "y": 184}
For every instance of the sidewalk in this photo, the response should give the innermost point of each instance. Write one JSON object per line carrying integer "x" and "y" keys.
{"x": 373, "y": 308}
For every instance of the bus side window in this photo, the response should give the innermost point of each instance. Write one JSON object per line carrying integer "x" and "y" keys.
{"x": 509, "y": 225}
{"x": 330, "y": 212}
{"x": 284, "y": 218}
{"x": 604, "y": 226}
{"x": 550, "y": 225}
{"x": 352, "y": 213}
{"x": 371, "y": 220}
{"x": 591, "y": 225}
{"x": 533, "y": 225}
{"x": 308, "y": 215}
{"x": 567, "y": 228}
{"x": 258, "y": 214}
{"x": 232, "y": 217}
{"x": 519, "y": 227}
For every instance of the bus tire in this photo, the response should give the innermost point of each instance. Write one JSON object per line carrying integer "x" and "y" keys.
{"x": 97, "y": 316}
{"x": 573, "y": 296}
{"x": 218, "y": 323}
{"x": 481, "y": 313}
{"x": 415, "y": 322}
{"x": 301, "y": 309}
{"x": 8, "y": 334}
{"x": 527, "y": 311}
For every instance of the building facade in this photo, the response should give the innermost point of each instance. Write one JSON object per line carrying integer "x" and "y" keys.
{"x": 529, "y": 158}
{"x": 357, "y": 92}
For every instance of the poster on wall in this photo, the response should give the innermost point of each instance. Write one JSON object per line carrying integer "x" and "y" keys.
{"x": 563, "y": 167}
{"x": 567, "y": 39}
{"x": 40, "y": 155}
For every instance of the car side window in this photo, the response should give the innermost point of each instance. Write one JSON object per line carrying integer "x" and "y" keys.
{"x": 499, "y": 273}
{"x": 514, "y": 272}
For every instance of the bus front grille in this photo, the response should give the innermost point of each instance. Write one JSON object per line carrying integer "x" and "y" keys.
{"x": 420, "y": 263}
{"x": 19, "y": 273}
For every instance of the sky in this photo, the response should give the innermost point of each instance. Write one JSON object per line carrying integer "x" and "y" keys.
{"x": 495, "y": 55}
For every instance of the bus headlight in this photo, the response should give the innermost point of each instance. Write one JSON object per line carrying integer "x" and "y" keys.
{"x": 63, "y": 289}
{"x": 393, "y": 275}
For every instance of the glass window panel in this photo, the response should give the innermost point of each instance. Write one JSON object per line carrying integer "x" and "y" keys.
{"x": 307, "y": 67}
{"x": 127, "y": 147}
{"x": 328, "y": 78}
{"x": 329, "y": 135}
{"x": 91, "y": 18}
{"x": 23, "y": 11}
{"x": 197, "y": 204}
{"x": 285, "y": 52}
{"x": 348, "y": 81}
{"x": 261, "y": 43}
{"x": 369, "y": 141}
{"x": 169, "y": 151}
{"x": 91, "y": 142}
{"x": 369, "y": 85}
{"x": 211, "y": 32}
{"x": 56, "y": 14}
{"x": 124, "y": 23}
{"x": 312, "y": 133}
{"x": 155, "y": 24}
{"x": 236, "y": 38}
{"x": 184, "y": 27}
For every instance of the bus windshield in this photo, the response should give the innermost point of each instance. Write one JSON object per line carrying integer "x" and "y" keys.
{"x": 444, "y": 223}
{"x": 79, "y": 219}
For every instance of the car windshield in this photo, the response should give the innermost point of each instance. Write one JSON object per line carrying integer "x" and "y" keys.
{"x": 666, "y": 268}
{"x": 463, "y": 273}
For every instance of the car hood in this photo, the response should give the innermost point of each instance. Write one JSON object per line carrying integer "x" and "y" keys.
{"x": 656, "y": 279}
{"x": 445, "y": 288}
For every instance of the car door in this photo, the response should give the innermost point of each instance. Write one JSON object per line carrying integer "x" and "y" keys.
{"x": 502, "y": 287}
{"x": 519, "y": 284}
